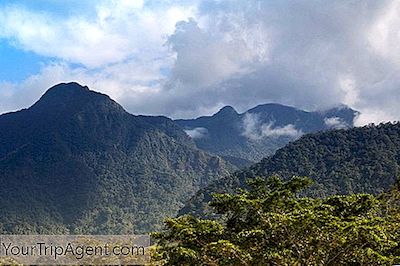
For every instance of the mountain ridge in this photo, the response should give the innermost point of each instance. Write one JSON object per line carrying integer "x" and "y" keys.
{"x": 258, "y": 132}
{"x": 342, "y": 161}
{"x": 77, "y": 162}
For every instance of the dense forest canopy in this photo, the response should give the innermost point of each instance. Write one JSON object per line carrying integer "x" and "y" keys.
{"x": 357, "y": 160}
{"x": 270, "y": 224}
{"x": 77, "y": 162}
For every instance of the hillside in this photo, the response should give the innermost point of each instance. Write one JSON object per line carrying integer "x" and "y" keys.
{"x": 357, "y": 160}
{"x": 245, "y": 138}
{"x": 77, "y": 162}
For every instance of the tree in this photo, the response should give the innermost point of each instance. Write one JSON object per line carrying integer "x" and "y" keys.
{"x": 270, "y": 224}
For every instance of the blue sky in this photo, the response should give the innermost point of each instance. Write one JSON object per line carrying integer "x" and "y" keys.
{"x": 16, "y": 64}
{"x": 56, "y": 7}
{"x": 185, "y": 58}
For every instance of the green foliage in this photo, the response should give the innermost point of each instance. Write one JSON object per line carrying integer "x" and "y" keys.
{"x": 77, "y": 162}
{"x": 271, "y": 224}
{"x": 357, "y": 160}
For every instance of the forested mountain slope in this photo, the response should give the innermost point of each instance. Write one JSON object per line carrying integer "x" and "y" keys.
{"x": 246, "y": 138}
{"x": 77, "y": 162}
{"x": 365, "y": 159}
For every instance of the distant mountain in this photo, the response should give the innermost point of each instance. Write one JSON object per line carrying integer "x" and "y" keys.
{"x": 248, "y": 137}
{"x": 77, "y": 162}
{"x": 356, "y": 160}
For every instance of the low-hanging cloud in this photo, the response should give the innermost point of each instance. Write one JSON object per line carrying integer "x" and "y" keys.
{"x": 335, "y": 123}
{"x": 254, "y": 129}
{"x": 189, "y": 58}
{"x": 197, "y": 133}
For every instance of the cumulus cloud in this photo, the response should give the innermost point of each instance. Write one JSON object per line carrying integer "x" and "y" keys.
{"x": 197, "y": 133}
{"x": 335, "y": 123}
{"x": 254, "y": 129}
{"x": 117, "y": 31}
{"x": 185, "y": 58}
{"x": 212, "y": 56}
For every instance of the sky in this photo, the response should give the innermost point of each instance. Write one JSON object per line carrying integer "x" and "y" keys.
{"x": 186, "y": 58}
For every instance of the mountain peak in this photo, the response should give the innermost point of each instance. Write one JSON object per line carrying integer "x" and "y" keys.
{"x": 68, "y": 90}
{"x": 72, "y": 97}
{"x": 226, "y": 110}
{"x": 269, "y": 107}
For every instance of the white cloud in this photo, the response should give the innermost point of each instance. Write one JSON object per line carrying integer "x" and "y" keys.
{"x": 311, "y": 55}
{"x": 335, "y": 123}
{"x": 119, "y": 30}
{"x": 289, "y": 131}
{"x": 373, "y": 115}
{"x": 111, "y": 80}
{"x": 254, "y": 129}
{"x": 384, "y": 34}
{"x": 197, "y": 133}
{"x": 208, "y": 56}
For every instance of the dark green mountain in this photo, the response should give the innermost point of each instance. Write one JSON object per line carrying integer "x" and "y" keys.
{"x": 356, "y": 160}
{"x": 77, "y": 162}
{"x": 248, "y": 137}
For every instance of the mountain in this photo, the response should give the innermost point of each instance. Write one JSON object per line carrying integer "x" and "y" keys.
{"x": 244, "y": 138}
{"x": 345, "y": 161}
{"x": 77, "y": 162}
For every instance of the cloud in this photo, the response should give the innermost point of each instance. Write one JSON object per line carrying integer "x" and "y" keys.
{"x": 190, "y": 57}
{"x": 254, "y": 129}
{"x": 212, "y": 56}
{"x": 288, "y": 131}
{"x": 127, "y": 89}
{"x": 197, "y": 133}
{"x": 117, "y": 31}
{"x": 315, "y": 56}
{"x": 335, "y": 123}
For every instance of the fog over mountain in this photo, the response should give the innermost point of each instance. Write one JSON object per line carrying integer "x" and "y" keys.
{"x": 243, "y": 138}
